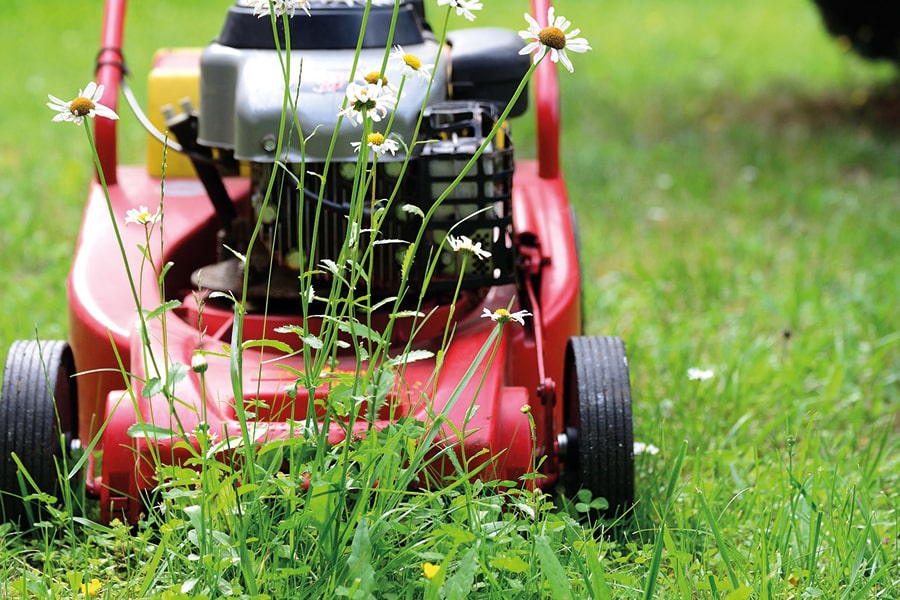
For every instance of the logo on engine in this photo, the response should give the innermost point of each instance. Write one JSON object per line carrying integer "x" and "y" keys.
{"x": 329, "y": 82}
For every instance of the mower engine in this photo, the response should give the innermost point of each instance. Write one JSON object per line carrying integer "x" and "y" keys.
{"x": 303, "y": 168}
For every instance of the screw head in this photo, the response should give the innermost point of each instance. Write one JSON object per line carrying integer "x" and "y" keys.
{"x": 269, "y": 142}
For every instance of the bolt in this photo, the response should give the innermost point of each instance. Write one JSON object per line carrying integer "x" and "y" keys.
{"x": 562, "y": 442}
{"x": 269, "y": 142}
{"x": 187, "y": 107}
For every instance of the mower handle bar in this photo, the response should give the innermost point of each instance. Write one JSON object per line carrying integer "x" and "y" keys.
{"x": 111, "y": 67}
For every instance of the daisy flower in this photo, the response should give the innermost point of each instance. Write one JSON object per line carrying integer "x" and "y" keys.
{"x": 411, "y": 65}
{"x": 373, "y": 77}
{"x": 465, "y": 244}
{"x": 644, "y": 448}
{"x": 263, "y": 8}
{"x": 141, "y": 216}
{"x": 463, "y": 8}
{"x": 371, "y": 100}
{"x": 199, "y": 363}
{"x": 695, "y": 374}
{"x": 501, "y": 315}
{"x": 378, "y": 143}
{"x": 87, "y": 104}
{"x": 552, "y": 39}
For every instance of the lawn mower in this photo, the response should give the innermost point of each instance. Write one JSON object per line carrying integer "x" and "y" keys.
{"x": 227, "y": 151}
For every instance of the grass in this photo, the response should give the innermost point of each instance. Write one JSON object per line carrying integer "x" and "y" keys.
{"x": 735, "y": 176}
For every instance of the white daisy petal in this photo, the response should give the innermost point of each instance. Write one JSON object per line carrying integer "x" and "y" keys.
{"x": 464, "y": 8}
{"x": 553, "y": 39}
{"x": 85, "y": 105}
{"x": 466, "y": 244}
{"x": 696, "y": 374}
{"x": 263, "y": 8}
{"x": 370, "y": 100}
{"x": 502, "y": 315}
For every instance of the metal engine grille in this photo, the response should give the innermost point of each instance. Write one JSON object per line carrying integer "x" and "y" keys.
{"x": 316, "y": 220}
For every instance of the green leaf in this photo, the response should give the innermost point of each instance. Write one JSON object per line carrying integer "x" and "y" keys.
{"x": 742, "y": 593}
{"x": 357, "y": 329}
{"x": 407, "y": 259}
{"x": 584, "y": 495}
{"x": 331, "y": 266}
{"x": 386, "y": 241}
{"x": 383, "y": 302}
{"x": 153, "y": 386}
{"x": 151, "y": 432}
{"x": 413, "y": 210}
{"x": 599, "y": 587}
{"x": 407, "y": 313}
{"x": 360, "y": 562}
{"x": 313, "y": 342}
{"x": 513, "y": 564}
{"x": 307, "y": 338}
{"x": 459, "y": 585}
{"x": 237, "y": 254}
{"x": 599, "y": 504}
{"x": 226, "y": 295}
{"x": 280, "y": 346}
{"x": 411, "y": 356}
{"x": 165, "y": 270}
{"x": 177, "y": 372}
{"x": 552, "y": 571}
{"x": 457, "y": 534}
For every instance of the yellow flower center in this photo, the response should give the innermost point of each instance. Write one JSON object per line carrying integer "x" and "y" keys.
{"x": 375, "y": 139}
{"x": 374, "y": 77}
{"x": 412, "y": 61}
{"x": 81, "y": 106}
{"x": 552, "y": 37}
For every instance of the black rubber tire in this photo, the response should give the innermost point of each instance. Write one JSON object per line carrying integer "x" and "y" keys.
{"x": 38, "y": 408}
{"x": 871, "y": 26}
{"x": 599, "y": 453}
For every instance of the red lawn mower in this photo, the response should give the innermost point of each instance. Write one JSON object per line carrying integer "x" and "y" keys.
{"x": 227, "y": 152}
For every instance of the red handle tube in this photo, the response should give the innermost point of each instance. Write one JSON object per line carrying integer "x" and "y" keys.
{"x": 110, "y": 66}
{"x": 546, "y": 94}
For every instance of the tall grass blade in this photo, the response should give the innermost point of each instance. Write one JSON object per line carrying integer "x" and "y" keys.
{"x": 552, "y": 571}
{"x": 720, "y": 541}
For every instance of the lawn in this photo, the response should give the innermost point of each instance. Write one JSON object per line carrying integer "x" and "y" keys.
{"x": 736, "y": 175}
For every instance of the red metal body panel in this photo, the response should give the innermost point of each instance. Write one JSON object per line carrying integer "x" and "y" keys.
{"x": 105, "y": 338}
{"x": 101, "y": 307}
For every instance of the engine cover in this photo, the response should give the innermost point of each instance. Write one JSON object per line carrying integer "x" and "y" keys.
{"x": 242, "y": 89}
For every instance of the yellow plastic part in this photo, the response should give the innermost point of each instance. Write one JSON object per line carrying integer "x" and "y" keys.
{"x": 175, "y": 75}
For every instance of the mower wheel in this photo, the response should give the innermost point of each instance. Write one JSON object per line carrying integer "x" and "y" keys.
{"x": 599, "y": 447}
{"x": 38, "y": 419}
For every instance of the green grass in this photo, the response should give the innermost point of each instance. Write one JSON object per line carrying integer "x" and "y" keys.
{"x": 736, "y": 178}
